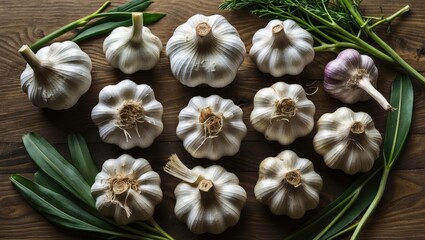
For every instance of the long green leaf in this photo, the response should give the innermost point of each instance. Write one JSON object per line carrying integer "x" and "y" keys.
{"x": 61, "y": 211}
{"x": 398, "y": 121}
{"x": 107, "y": 27}
{"x": 81, "y": 158}
{"x": 366, "y": 196}
{"x": 54, "y": 165}
{"x": 130, "y": 6}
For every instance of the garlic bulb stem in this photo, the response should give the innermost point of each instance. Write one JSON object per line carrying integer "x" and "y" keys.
{"x": 279, "y": 36}
{"x": 137, "y": 18}
{"x": 30, "y": 58}
{"x": 177, "y": 169}
{"x": 365, "y": 84}
{"x": 294, "y": 178}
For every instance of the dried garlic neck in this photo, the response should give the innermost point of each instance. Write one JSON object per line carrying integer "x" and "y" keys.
{"x": 212, "y": 122}
{"x": 357, "y": 132}
{"x": 204, "y": 36}
{"x": 119, "y": 185}
{"x": 360, "y": 74}
{"x": 137, "y": 34}
{"x": 293, "y": 178}
{"x": 207, "y": 191}
{"x": 285, "y": 109}
{"x": 176, "y": 168}
{"x": 280, "y": 40}
{"x": 357, "y": 128}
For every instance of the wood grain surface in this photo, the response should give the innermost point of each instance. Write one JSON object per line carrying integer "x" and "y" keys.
{"x": 401, "y": 213}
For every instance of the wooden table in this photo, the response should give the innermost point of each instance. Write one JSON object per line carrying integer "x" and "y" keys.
{"x": 401, "y": 213}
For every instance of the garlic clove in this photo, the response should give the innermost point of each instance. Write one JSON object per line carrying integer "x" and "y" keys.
{"x": 211, "y": 127}
{"x": 288, "y": 184}
{"x": 209, "y": 199}
{"x": 127, "y": 189}
{"x": 132, "y": 48}
{"x": 347, "y": 140}
{"x": 205, "y": 50}
{"x": 56, "y": 76}
{"x": 282, "y": 112}
{"x": 128, "y": 115}
{"x": 282, "y": 47}
{"x": 352, "y": 77}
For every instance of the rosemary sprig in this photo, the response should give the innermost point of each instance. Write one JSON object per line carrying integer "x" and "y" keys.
{"x": 335, "y": 25}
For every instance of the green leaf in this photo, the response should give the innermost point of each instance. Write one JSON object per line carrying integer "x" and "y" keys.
{"x": 44, "y": 180}
{"x": 399, "y": 120}
{"x": 81, "y": 158}
{"x": 61, "y": 211}
{"x": 55, "y": 166}
{"x": 130, "y": 6}
{"x": 107, "y": 27}
{"x": 364, "y": 199}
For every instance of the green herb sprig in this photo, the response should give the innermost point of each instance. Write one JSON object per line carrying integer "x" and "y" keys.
{"x": 334, "y": 25}
{"x": 60, "y": 191}
{"x": 105, "y": 22}
{"x": 351, "y": 210}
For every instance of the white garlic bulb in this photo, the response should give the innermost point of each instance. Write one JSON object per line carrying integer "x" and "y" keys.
{"x": 282, "y": 112}
{"x": 209, "y": 199}
{"x": 127, "y": 189}
{"x": 128, "y": 115}
{"x": 282, "y": 47}
{"x": 56, "y": 76}
{"x": 211, "y": 127}
{"x": 205, "y": 50}
{"x": 132, "y": 48}
{"x": 347, "y": 140}
{"x": 288, "y": 185}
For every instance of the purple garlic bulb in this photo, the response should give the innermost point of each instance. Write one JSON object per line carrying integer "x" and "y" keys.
{"x": 352, "y": 77}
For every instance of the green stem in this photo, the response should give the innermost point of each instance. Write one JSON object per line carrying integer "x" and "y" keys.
{"x": 373, "y": 205}
{"x": 75, "y": 24}
{"x": 351, "y": 202}
{"x": 389, "y": 50}
{"x": 345, "y": 230}
{"x": 334, "y": 47}
{"x": 392, "y": 17}
{"x": 159, "y": 229}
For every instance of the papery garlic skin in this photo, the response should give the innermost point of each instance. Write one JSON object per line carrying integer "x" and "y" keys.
{"x": 205, "y": 50}
{"x": 128, "y": 115}
{"x": 282, "y": 112}
{"x": 352, "y": 77}
{"x": 127, "y": 189}
{"x": 282, "y": 47}
{"x": 211, "y": 127}
{"x": 132, "y": 48}
{"x": 347, "y": 140}
{"x": 288, "y": 184}
{"x": 57, "y": 76}
{"x": 209, "y": 199}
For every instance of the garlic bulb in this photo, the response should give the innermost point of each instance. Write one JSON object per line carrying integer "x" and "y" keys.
{"x": 211, "y": 127}
{"x": 205, "y": 50}
{"x": 128, "y": 115}
{"x": 282, "y": 112}
{"x": 132, "y": 48}
{"x": 127, "y": 189}
{"x": 288, "y": 185}
{"x": 209, "y": 199}
{"x": 347, "y": 140}
{"x": 56, "y": 76}
{"x": 282, "y": 47}
{"x": 352, "y": 77}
